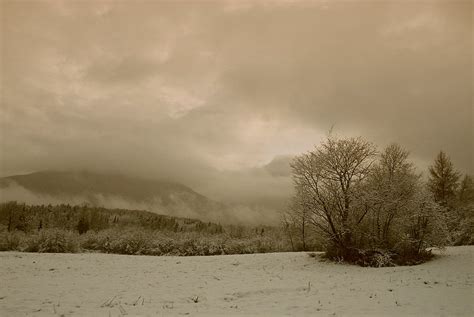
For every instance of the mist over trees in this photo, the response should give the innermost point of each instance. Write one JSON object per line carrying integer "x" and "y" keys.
{"x": 372, "y": 207}
{"x": 84, "y": 218}
{"x": 74, "y": 228}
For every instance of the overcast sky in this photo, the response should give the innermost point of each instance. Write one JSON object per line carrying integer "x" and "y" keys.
{"x": 207, "y": 93}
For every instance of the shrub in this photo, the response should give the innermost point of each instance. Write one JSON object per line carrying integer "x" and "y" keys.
{"x": 463, "y": 234}
{"x": 137, "y": 241}
{"x": 412, "y": 258}
{"x": 92, "y": 240}
{"x": 11, "y": 241}
{"x": 51, "y": 241}
{"x": 130, "y": 243}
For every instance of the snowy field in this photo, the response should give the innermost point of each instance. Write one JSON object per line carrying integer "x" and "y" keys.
{"x": 290, "y": 284}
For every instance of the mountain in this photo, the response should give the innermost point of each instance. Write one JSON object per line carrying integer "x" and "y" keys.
{"x": 112, "y": 191}
{"x": 279, "y": 166}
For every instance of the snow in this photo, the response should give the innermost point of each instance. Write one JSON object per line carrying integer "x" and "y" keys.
{"x": 259, "y": 284}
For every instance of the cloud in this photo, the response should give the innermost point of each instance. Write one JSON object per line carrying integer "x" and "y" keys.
{"x": 206, "y": 93}
{"x": 131, "y": 69}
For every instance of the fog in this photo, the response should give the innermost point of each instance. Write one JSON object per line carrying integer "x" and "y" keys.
{"x": 220, "y": 95}
{"x": 266, "y": 212}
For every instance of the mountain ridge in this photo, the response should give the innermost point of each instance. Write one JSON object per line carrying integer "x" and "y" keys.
{"x": 97, "y": 189}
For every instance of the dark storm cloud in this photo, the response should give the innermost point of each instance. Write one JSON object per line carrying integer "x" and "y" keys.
{"x": 208, "y": 93}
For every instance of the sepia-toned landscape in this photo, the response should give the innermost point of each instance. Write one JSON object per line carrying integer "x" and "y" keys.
{"x": 236, "y": 158}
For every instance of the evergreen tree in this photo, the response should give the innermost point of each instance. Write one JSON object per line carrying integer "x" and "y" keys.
{"x": 443, "y": 180}
{"x": 82, "y": 225}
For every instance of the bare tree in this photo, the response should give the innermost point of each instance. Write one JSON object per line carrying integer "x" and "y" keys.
{"x": 287, "y": 224}
{"x": 389, "y": 191}
{"x": 297, "y": 220}
{"x": 425, "y": 225}
{"x": 328, "y": 180}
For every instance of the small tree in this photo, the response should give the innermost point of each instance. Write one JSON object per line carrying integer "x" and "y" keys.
{"x": 297, "y": 221}
{"x": 462, "y": 232}
{"x": 424, "y": 226}
{"x": 389, "y": 190}
{"x": 443, "y": 180}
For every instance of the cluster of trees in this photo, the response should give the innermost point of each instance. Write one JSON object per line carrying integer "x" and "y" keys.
{"x": 28, "y": 218}
{"x": 455, "y": 193}
{"x": 374, "y": 208}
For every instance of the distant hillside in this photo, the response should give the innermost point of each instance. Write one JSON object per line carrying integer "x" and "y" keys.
{"x": 31, "y": 218}
{"x": 112, "y": 191}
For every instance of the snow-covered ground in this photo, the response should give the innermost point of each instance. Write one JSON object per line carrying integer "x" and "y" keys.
{"x": 292, "y": 284}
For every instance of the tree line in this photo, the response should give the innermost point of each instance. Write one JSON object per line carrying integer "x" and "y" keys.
{"x": 29, "y": 218}
{"x": 68, "y": 229}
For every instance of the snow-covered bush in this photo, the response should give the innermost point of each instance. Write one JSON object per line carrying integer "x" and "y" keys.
{"x": 135, "y": 241}
{"x": 11, "y": 241}
{"x": 51, "y": 241}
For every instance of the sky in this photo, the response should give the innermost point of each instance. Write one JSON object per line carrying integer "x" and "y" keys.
{"x": 219, "y": 95}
